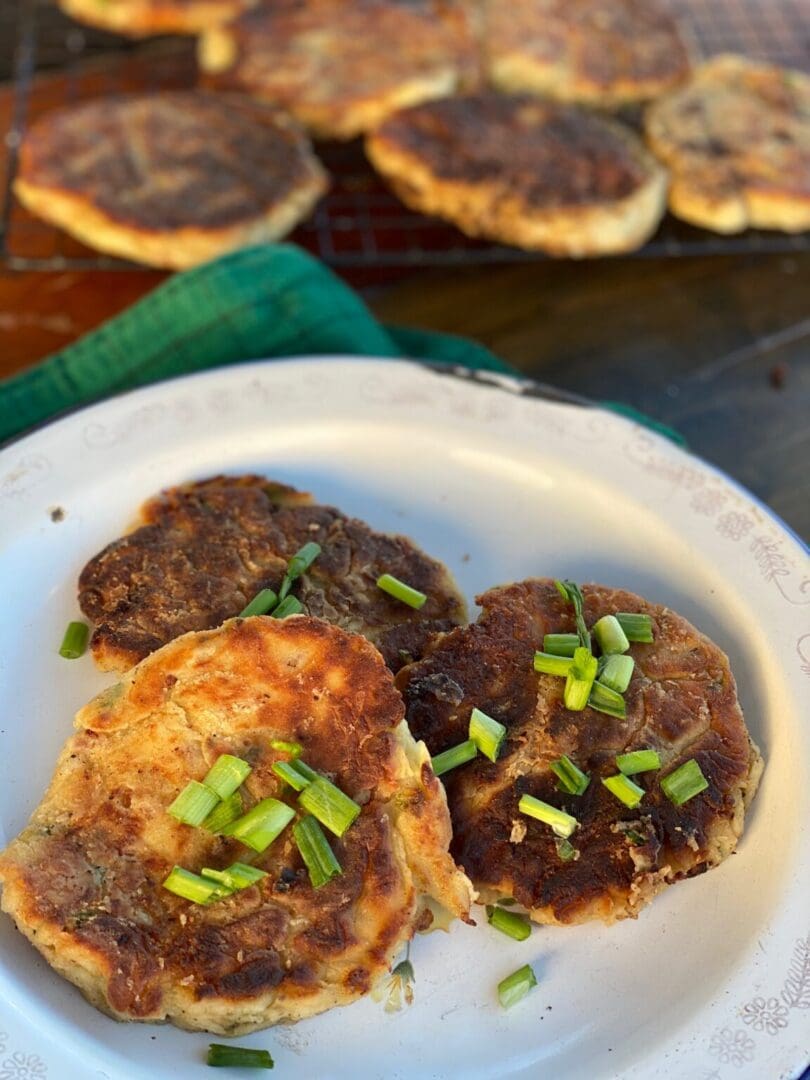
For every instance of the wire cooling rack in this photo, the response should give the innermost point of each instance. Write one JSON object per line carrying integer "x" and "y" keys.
{"x": 359, "y": 224}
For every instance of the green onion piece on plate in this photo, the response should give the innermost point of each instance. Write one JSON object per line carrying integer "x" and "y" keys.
{"x": 579, "y": 680}
{"x": 624, "y": 789}
{"x": 261, "y": 603}
{"x": 616, "y": 672}
{"x": 235, "y": 1057}
{"x": 226, "y": 812}
{"x": 570, "y": 591}
{"x": 572, "y": 780}
{"x": 400, "y": 591}
{"x": 329, "y": 805}
{"x": 605, "y": 700}
{"x": 318, "y": 856}
{"x": 298, "y": 564}
{"x": 286, "y": 771}
{"x": 509, "y": 922}
{"x": 549, "y": 664}
{"x": 305, "y": 770}
{"x": 565, "y": 849}
{"x": 636, "y": 627}
{"x": 487, "y": 734}
{"x": 608, "y": 632}
{"x": 516, "y": 986}
{"x": 226, "y": 775}
{"x": 194, "y": 803}
{"x": 259, "y": 827}
{"x": 192, "y": 887}
{"x": 683, "y": 784}
{"x": 455, "y": 756}
{"x": 560, "y": 644}
{"x": 294, "y": 749}
{"x": 236, "y": 876}
{"x": 561, "y": 823}
{"x": 74, "y": 643}
{"x": 290, "y": 605}
{"x": 638, "y": 761}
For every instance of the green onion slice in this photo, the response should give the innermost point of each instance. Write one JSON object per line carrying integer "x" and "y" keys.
{"x": 565, "y": 849}
{"x": 638, "y": 761}
{"x": 305, "y": 770}
{"x": 298, "y": 564}
{"x": 683, "y": 784}
{"x": 560, "y": 644}
{"x": 290, "y": 605}
{"x": 194, "y": 803}
{"x": 237, "y": 876}
{"x": 294, "y": 749}
{"x": 261, "y": 603}
{"x": 616, "y": 671}
{"x": 318, "y": 856}
{"x": 579, "y": 680}
{"x": 234, "y": 1057}
{"x": 572, "y": 780}
{"x": 226, "y": 812}
{"x": 561, "y": 823}
{"x": 549, "y": 664}
{"x": 605, "y": 700}
{"x": 516, "y": 986}
{"x": 608, "y": 632}
{"x": 192, "y": 887}
{"x": 570, "y": 591}
{"x": 259, "y": 827}
{"x": 636, "y": 627}
{"x": 227, "y": 774}
{"x": 74, "y": 643}
{"x": 400, "y": 591}
{"x": 286, "y": 771}
{"x": 455, "y": 756}
{"x": 624, "y": 789}
{"x": 509, "y": 922}
{"x": 329, "y": 805}
{"x": 487, "y": 734}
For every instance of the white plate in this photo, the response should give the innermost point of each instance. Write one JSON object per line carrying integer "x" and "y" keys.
{"x": 713, "y": 980}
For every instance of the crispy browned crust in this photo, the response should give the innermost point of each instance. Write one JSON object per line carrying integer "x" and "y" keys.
{"x": 341, "y": 68}
{"x": 737, "y": 140}
{"x": 681, "y": 702}
{"x": 203, "y": 550}
{"x": 532, "y": 173}
{"x": 141, "y": 18}
{"x": 83, "y": 881}
{"x": 605, "y": 53}
{"x": 170, "y": 179}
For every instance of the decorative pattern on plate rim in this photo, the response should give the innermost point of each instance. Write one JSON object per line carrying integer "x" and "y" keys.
{"x": 23, "y": 1066}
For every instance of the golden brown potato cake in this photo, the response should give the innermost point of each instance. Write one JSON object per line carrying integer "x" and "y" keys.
{"x": 83, "y": 880}
{"x": 140, "y": 18}
{"x": 737, "y": 140}
{"x": 605, "y": 53}
{"x": 340, "y": 68}
{"x": 172, "y": 179}
{"x": 203, "y": 550}
{"x": 535, "y": 174}
{"x": 681, "y": 702}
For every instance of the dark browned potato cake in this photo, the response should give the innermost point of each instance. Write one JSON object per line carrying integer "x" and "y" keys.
{"x": 681, "y": 702}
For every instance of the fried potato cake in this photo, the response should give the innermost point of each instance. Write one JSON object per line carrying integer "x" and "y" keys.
{"x": 172, "y": 179}
{"x": 141, "y": 18}
{"x": 737, "y": 140}
{"x": 340, "y": 68}
{"x": 203, "y": 550}
{"x": 535, "y": 174}
{"x": 605, "y": 53}
{"x": 681, "y": 702}
{"x": 83, "y": 880}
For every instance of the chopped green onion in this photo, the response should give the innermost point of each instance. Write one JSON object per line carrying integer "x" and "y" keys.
{"x": 561, "y": 823}
{"x": 579, "y": 680}
{"x": 605, "y": 700}
{"x": 509, "y": 923}
{"x": 400, "y": 591}
{"x": 287, "y": 772}
{"x": 237, "y": 876}
{"x": 572, "y": 780}
{"x": 616, "y": 672}
{"x": 565, "y": 849}
{"x": 294, "y": 749}
{"x": 638, "y": 761}
{"x": 516, "y": 986}
{"x": 487, "y": 734}
{"x": 299, "y": 564}
{"x": 222, "y": 815}
{"x": 329, "y": 805}
{"x": 74, "y": 643}
{"x": 194, "y": 803}
{"x": 259, "y": 827}
{"x": 227, "y": 774}
{"x": 192, "y": 887}
{"x": 560, "y": 644}
{"x": 548, "y": 664}
{"x": 290, "y": 605}
{"x": 261, "y": 603}
{"x": 570, "y": 591}
{"x": 305, "y": 770}
{"x": 318, "y": 856}
{"x": 237, "y": 1056}
{"x": 608, "y": 632}
{"x": 624, "y": 789}
{"x": 636, "y": 627}
{"x": 455, "y": 756}
{"x": 683, "y": 784}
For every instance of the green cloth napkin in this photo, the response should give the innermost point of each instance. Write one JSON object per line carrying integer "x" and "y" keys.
{"x": 268, "y": 301}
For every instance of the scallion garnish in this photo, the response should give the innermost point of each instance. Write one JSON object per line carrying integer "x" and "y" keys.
{"x": 290, "y": 605}
{"x": 636, "y": 627}
{"x": 305, "y": 770}
{"x": 572, "y": 780}
{"x": 638, "y": 761}
{"x": 332, "y": 807}
{"x": 684, "y": 783}
{"x": 624, "y": 789}
{"x": 455, "y": 756}
{"x": 194, "y": 803}
{"x": 549, "y": 664}
{"x": 74, "y": 643}
{"x": 219, "y": 1054}
{"x": 579, "y": 680}
{"x": 570, "y": 592}
{"x": 509, "y": 922}
{"x": 226, "y": 775}
{"x": 616, "y": 671}
{"x": 192, "y": 887}
{"x": 400, "y": 591}
{"x": 565, "y": 849}
{"x": 562, "y": 824}
{"x": 294, "y": 749}
{"x": 286, "y": 771}
{"x": 608, "y": 632}
{"x": 487, "y": 734}
{"x": 259, "y": 827}
{"x": 298, "y": 564}
{"x": 223, "y": 814}
{"x": 237, "y": 876}
{"x": 318, "y": 856}
{"x": 605, "y": 700}
{"x": 516, "y": 986}
{"x": 560, "y": 644}
{"x": 261, "y": 603}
